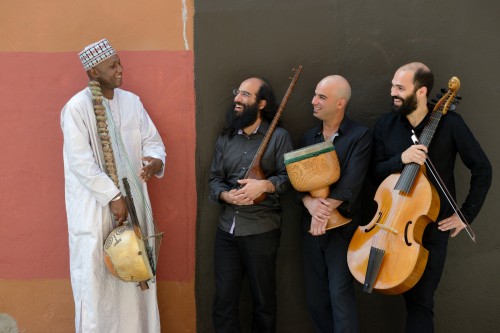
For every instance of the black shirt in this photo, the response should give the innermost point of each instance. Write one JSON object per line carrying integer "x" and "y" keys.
{"x": 392, "y": 136}
{"x": 353, "y": 145}
{"x": 233, "y": 155}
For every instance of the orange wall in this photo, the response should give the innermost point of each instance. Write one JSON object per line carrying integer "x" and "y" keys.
{"x": 58, "y": 25}
{"x": 39, "y": 42}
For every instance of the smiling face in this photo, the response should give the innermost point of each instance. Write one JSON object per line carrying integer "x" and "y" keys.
{"x": 403, "y": 93}
{"x": 246, "y": 109}
{"x": 109, "y": 74}
{"x": 324, "y": 102}
{"x": 246, "y": 95}
{"x": 330, "y": 98}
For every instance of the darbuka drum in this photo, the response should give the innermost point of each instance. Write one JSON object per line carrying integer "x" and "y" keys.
{"x": 313, "y": 169}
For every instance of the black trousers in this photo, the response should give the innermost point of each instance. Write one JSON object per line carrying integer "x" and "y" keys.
{"x": 420, "y": 298}
{"x": 255, "y": 256}
{"x": 329, "y": 283}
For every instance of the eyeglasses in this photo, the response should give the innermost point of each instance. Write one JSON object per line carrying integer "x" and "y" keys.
{"x": 236, "y": 92}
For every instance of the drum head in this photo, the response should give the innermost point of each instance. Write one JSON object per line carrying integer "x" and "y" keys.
{"x": 308, "y": 152}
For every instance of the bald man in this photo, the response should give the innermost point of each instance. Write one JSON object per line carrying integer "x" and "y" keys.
{"x": 248, "y": 235}
{"x": 329, "y": 283}
{"x": 393, "y": 149}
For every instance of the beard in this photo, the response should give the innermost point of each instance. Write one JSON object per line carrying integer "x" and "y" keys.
{"x": 408, "y": 105}
{"x": 239, "y": 120}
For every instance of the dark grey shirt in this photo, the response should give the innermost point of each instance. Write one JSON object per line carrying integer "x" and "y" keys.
{"x": 233, "y": 155}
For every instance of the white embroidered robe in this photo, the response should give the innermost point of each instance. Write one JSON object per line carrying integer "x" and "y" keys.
{"x": 103, "y": 303}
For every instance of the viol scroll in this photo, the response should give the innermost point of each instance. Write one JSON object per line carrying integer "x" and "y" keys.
{"x": 387, "y": 254}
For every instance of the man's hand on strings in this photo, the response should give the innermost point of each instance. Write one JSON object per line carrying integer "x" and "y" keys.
{"x": 452, "y": 222}
{"x": 151, "y": 166}
{"x": 414, "y": 154}
{"x": 119, "y": 210}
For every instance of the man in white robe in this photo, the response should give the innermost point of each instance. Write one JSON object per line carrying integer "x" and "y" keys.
{"x": 94, "y": 205}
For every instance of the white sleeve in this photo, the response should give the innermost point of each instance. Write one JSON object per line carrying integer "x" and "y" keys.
{"x": 80, "y": 158}
{"x": 152, "y": 145}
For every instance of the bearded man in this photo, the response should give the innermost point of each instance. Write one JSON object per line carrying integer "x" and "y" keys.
{"x": 248, "y": 234}
{"x": 393, "y": 149}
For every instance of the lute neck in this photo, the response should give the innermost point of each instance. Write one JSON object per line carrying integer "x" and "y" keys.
{"x": 274, "y": 123}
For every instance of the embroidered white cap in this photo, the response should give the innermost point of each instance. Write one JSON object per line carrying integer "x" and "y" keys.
{"x": 95, "y": 53}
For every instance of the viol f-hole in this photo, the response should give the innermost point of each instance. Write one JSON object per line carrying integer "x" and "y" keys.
{"x": 386, "y": 254}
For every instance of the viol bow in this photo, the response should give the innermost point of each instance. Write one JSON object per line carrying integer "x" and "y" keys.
{"x": 386, "y": 254}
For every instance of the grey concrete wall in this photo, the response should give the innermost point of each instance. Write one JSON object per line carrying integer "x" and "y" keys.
{"x": 365, "y": 41}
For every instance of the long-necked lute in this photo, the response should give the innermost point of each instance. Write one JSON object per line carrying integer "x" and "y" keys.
{"x": 126, "y": 254}
{"x": 255, "y": 171}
